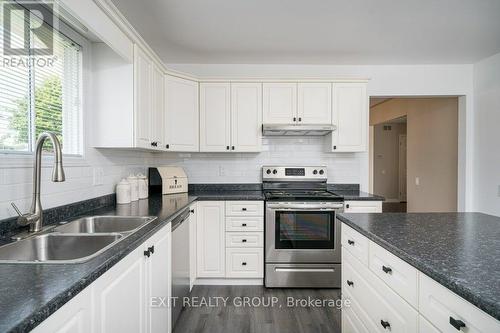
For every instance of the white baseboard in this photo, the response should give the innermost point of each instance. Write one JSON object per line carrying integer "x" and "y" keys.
{"x": 228, "y": 282}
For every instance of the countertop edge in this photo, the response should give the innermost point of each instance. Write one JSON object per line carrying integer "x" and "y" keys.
{"x": 485, "y": 305}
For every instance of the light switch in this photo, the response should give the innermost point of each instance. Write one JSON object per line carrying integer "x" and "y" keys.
{"x": 417, "y": 181}
{"x": 498, "y": 191}
{"x": 98, "y": 176}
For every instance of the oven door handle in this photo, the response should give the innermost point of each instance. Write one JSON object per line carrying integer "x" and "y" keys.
{"x": 298, "y": 269}
{"x": 304, "y": 207}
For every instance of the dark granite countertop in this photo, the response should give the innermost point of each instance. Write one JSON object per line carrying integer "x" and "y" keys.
{"x": 461, "y": 251}
{"x": 30, "y": 293}
{"x": 227, "y": 191}
{"x": 358, "y": 195}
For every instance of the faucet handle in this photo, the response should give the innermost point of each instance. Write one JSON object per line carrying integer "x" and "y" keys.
{"x": 24, "y": 219}
{"x": 16, "y": 209}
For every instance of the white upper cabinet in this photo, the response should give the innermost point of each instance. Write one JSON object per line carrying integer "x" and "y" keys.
{"x": 142, "y": 98}
{"x": 350, "y": 115}
{"x": 181, "y": 115}
{"x": 280, "y": 103}
{"x": 215, "y": 117}
{"x": 314, "y": 103}
{"x": 246, "y": 117}
{"x": 230, "y": 117}
{"x": 158, "y": 108}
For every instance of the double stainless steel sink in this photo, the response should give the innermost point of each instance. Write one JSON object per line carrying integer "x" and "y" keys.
{"x": 73, "y": 242}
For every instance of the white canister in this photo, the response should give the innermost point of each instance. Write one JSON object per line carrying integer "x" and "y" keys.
{"x": 123, "y": 191}
{"x": 134, "y": 187}
{"x": 143, "y": 186}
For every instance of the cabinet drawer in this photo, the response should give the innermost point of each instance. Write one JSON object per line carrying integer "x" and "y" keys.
{"x": 245, "y": 239}
{"x": 441, "y": 306}
{"x": 245, "y": 223}
{"x": 381, "y": 305}
{"x": 355, "y": 243}
{"x": 397, "y": 274}
{"x": 244, "y": 263}
{"x": 363, "y": 207}
{"x": 244, "y": 208}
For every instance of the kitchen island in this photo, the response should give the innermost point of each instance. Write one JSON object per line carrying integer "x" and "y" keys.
{"x": 460, "y": 251}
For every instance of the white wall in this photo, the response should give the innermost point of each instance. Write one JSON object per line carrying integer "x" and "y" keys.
{"x": 390, "y": 81}
{"x": 246, "y": 168}
{"x": 487, "y": 135}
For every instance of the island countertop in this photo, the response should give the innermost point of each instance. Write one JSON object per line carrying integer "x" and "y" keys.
{"x": 461, "y": 251}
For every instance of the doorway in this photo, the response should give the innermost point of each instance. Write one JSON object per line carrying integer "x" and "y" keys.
{"x": 414, "y": 153}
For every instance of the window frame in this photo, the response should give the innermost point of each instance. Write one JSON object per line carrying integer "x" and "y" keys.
{"x": 15, "y": 158}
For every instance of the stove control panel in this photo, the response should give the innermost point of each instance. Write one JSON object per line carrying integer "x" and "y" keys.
{"x": 281, "y": 173}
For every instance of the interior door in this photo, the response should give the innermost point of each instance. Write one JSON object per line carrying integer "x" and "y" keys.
{"x": 246, "y": 117}
{"x": 280, "y": 103}
{"x": 215, "y": 117}
{"x": 315, "y": 103}
{"x": 182, "y": 116}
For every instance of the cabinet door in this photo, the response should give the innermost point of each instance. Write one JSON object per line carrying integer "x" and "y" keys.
{"x": 192, "y": 246}
{"x": 158, "y": 108}
{"x": 142, "y": 98}
{"x": 215, "y": 117}
{"x": 280, "y": 103}
{"x": 182, "y": 116}
{"x": 210, "y": 239}
{"x": 158, "y": 281}
{"x": 72, "y": 317}
{"x": 119, "y": 302}
{"x": 314, "y": 103}
{"x": 246, "y": 117}
{"x": 350, "y": 115}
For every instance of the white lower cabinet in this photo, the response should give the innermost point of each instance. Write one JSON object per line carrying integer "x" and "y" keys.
{"x": 158, "y": 281}
{"x": 72, "y": 317}
{"x": 130, "y": 297}
{"x": 120, "y": 296}
{"x": 211, "y": 247}
{"x": 192, "y": 245}
{"x": 449, "y": 312}
{"x": 244, "y": 262}
{"x": 385, "y": 309}
{"x": 399, "y": 298}
{"x": 230, "y": 239}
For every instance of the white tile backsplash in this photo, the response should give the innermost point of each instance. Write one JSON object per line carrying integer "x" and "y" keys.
{"x": 246, "y": 168}
{"x": 16, "y": 180}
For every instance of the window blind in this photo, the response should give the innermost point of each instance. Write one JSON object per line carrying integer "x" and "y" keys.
{"x": 38, "y": 96}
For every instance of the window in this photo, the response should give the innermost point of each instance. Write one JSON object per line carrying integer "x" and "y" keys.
{"x": 40, "y": 93}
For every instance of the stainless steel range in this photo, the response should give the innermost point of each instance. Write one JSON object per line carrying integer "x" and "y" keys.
{"x": 301, "y": 231}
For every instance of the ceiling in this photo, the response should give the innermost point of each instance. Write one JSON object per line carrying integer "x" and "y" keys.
{"x": 318, "y": 31}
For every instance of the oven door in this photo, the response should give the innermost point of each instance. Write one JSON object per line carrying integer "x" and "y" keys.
{"x": 306, "y": 232}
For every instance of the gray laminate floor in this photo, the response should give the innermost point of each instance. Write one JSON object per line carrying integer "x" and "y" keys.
{"x": 273, "y": 310}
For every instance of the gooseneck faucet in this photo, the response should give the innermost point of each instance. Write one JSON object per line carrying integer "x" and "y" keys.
{"x": 35, "y": 217}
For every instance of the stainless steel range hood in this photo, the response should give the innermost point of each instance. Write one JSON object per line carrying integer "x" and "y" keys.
{"x": 297, "y": 130}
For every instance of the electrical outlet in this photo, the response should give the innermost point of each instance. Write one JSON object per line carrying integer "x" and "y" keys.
{"x": 98, "y": 176}
{"x": 222, "y": 171}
